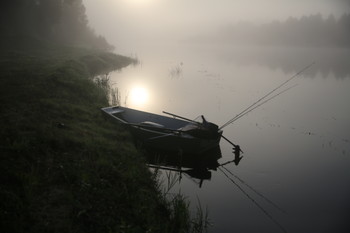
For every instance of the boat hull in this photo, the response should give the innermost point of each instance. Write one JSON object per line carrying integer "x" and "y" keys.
{"x": 162, "y": 132}
{"x": 173, "y": 141}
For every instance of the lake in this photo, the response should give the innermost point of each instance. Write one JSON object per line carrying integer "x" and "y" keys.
{"x": 296, "y": 147}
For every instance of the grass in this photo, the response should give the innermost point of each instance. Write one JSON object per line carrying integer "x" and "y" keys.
{"x": 64, "y": 167}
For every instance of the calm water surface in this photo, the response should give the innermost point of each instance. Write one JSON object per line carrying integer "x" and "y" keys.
{"x": 296, "y": 147}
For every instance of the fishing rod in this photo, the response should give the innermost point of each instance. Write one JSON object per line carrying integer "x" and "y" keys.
{"x": 177, "y": 116}
{"x": 229, "y": 141}
{"x": 265, "y": 96}
{"x": 262, "y": 103}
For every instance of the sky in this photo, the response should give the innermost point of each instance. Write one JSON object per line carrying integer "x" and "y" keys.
{"x": 127, "y": 22}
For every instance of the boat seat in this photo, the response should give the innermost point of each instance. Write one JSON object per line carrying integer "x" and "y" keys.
{"x": 152, "y": 124}
{"x": 188, "y": 127}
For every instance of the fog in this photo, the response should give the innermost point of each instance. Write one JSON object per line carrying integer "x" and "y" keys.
{"x": 128, "y": 24}
{"x": 216, "y": 58}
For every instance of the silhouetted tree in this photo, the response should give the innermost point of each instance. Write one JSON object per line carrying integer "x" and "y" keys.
{"x": 312, "y": 30}
{"x": 61, "y": 21}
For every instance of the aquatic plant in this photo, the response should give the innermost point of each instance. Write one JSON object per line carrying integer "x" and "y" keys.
{"x": 176, "y": 71}
{"x": 64, "y": 167}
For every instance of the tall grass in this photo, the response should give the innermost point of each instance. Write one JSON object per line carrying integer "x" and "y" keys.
{"x": 200, "y": 222}
{"x": 64, "y": 167}
{"x": 111, "y": 92}
{"x": 183, "y": 220}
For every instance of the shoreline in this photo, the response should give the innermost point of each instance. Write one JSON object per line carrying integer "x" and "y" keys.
{"x": 63, "y": 166}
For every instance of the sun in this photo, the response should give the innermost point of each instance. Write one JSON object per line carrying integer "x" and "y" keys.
{"x": 139, "y": 2}
{"x": 139, "y": 95}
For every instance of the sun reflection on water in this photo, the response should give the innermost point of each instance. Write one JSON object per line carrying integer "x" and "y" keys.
{"x": 139, "y": 96}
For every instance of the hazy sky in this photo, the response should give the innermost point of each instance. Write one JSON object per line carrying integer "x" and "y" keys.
{"x": 125, "y": 22}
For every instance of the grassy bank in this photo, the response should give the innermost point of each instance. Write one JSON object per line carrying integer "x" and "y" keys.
{"x": 64, "y": 167}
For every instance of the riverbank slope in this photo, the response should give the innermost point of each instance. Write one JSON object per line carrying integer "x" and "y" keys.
{"x": 64, "y": 167}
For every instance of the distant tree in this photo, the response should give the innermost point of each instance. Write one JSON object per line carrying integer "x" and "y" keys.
{"x": 61, "y": 21}
{"x": 48, "y": 16}
{"x": 13, "y": 17}
{"x": 312, "y": 30}
{"x": 344, "y": 30}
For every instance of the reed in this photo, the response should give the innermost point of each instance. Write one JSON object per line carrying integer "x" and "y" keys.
{"x": 176, "y": 71}
{"x": 200, "y": 222}
{"x": 64, "y": 167}
{"x": 182, "y": 219}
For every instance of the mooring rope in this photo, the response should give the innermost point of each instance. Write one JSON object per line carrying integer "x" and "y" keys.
{"x": 256, "y": 192}
{"x": 256, "y": 203}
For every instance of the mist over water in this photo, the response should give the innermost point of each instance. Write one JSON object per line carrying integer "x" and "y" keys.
{"x": 296, "y": 147}
{"x": 132, "y": 25}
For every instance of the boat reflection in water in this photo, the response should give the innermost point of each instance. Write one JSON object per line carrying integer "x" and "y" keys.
{"x": 176, "y": 143}
{"x": 196, "y": 166}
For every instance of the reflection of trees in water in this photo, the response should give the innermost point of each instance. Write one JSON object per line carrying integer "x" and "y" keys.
{"x": 334, "y": 62}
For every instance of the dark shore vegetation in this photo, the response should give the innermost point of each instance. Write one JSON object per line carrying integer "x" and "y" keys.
{"x": 64, "y": 167}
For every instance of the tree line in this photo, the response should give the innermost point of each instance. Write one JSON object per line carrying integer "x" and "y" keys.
{"x": 59, "y": 21}
{"x": 314, "y": 30}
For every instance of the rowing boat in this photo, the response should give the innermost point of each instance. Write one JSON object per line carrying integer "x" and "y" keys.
{"x": 167, "y": 133}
